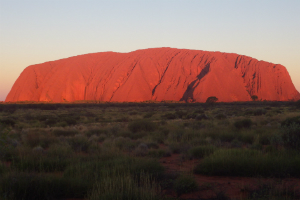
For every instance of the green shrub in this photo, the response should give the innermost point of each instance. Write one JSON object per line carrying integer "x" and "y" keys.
{"x": 2, "y": 169}
{"x": 169, "y": 116}
{"x": 291, "y": 120}
{"x": 64, "y": 132}
{"x": 185, "y": 184}
{"x": 132, "y": 135}
{"x": 79, "y": 143}
{"x": 199, "y": 111}
{"x": 245, "y": 162}
{"x": 181, "y": 114}
{"x": 149, "y": 166}
{"x": 96, "y": 131}
{"x": 227, "y": 136}
{"x": 70, "y": 118}
{"x": 212, "y": 99}
{"x": 201, "y": 151}
{"x": 125, "y": 144}
{"x": 29, "y": 186}
{"x": 148, "y": 115}
{"x": 62, "y": 151}
{"x": 220, "y": 116}
{"x": 196, "y": 125}
{"x": 291, "y": 136}
{"x": 126, "y": 186}
{"x": 39, "y": 162}
{"x": 141, "y": 125}
{"x": 297, "y": 103}
{"x": 191, "y": 115}
{"x": 141, "y": 150}
{"x": 246, "y": 137}
{"x": 177, "y": 148}
{"x": 93, "y": 169}
{"x": 8, "y": 122}
{"x": 176, "y": 135}
{"x": 158, "y": 136}
{"x": 7, "y": 152}
{"x": 259, "y": 111}
{"x": 244, "y": 123}
{"x": 41, "y": 138}
{"x": 133, "y": 112}
{"x": 158, "y": 153}
{"x": 236, "y": 143}
{"x": 201, "y": 116}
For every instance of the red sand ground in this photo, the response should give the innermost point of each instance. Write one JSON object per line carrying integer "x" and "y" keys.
{"x": 154, "y": 74}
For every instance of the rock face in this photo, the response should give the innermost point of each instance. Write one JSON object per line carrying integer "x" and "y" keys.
{"x": 154, "y": 74}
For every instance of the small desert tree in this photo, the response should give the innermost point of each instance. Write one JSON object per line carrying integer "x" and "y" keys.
{"x": 254, "y": 97}
{"x": 212, "y": 99}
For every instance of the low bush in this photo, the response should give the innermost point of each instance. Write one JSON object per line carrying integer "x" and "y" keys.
{"x": 169, "y": 116}
{"x": 132, "y": 135}
{"x": 2, "y": 169}
{"x": 201, "y": 151}
{"x": 64, "y": 132}
{"x": 246, "y": 137}
{"x": 149, "y": 166}
{"x": 69, "y": 119}
{"x": 159, "y": 153}
{"x": 125, "y": 186}
{"x": 256, "y": 112}
{"x": 177, "y": 148}
{"x": 244, "y": 123}
{"x": 185, "y": 184}
{"x": 244, "y": 162}
{"x": 148, "y": 115}
{"x": 227, "y": 136}
{"x": 96, "y": 131}
{"x": 201, "y": 116}
{"x": 124, "y": 144}
{"x": 39, "y": 162}
{"x": 236, "y": 143}
{"x": 141, "y": 125}
{"x": 62, "y": 151}
{"x": 79, "y": 143}
{"x": 220, "y": 116}
{"x": 181, "y": 114}
{"x": 191, "y": 115}
{"x": 29, "y": 186}
{"x": 7, "y": 152}
{"x": 8, "y": 122}
{"x": 259, "y": 111}
{"x": 176, "y": 135}
{"x": 158, "y": 136}
{"x": 291, "y": 120}
{"x": 291, "y": 136}
{"x": 297, "y": 103}
{"x": 93, "y": 169}
{"x": 197, "y": 125}
{"x": 38, "y": 137}
{"x": 199, "y": 111}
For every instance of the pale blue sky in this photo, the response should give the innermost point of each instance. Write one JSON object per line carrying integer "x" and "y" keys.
{"x": 36, "y": 31}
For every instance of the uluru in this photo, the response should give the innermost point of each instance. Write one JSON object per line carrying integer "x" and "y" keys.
{"x": 157, "y": 74}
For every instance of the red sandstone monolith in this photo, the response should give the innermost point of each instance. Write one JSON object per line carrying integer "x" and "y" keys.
{"x": 154, "y": 74}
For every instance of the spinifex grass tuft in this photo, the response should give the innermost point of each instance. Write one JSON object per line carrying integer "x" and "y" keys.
{"x": 119, "y": 186}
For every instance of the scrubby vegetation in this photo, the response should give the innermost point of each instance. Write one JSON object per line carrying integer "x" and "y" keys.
{"x": 147, "y": 150}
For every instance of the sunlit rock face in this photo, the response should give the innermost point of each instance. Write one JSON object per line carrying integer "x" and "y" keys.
{"x": 154, "y": 74}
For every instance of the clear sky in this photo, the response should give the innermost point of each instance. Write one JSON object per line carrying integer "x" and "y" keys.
{"x": 36, "y": 31}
